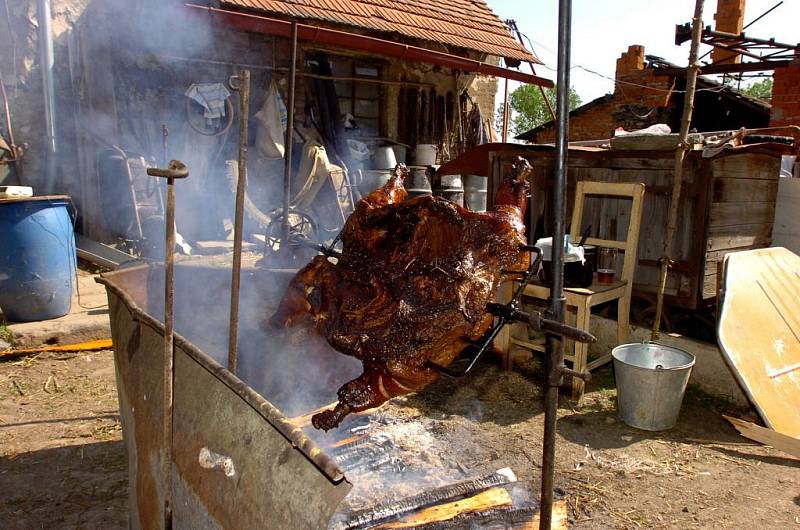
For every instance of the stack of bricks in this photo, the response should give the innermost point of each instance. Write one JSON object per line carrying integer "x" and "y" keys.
{"x": 640, "y": 85}
{"x": 786, "y": 95}
{"x": 729, "y": 19}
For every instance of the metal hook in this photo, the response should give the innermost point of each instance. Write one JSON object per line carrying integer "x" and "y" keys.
{"x": 234, "y": 83}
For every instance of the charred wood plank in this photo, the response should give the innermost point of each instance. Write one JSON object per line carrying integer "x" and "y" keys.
{"x": 379, "y": 514}
{"x": 488, "y": 500}
{"x": 497, "y": 519}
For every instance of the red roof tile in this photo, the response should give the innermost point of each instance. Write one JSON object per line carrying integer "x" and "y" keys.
{"x": 468, "y": 24}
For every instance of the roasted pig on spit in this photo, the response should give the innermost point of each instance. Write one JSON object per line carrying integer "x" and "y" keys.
{"x": 410, "y": 288}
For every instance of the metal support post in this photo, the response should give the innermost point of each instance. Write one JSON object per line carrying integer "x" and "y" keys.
{"x": 287, "y": 168}
{"x": 554, "y": 358}
{"x": 176, "y": 170}
{"x": 241, "y": 84}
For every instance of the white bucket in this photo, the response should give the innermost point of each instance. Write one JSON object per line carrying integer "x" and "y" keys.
{"x": 383, "y": 158}
{"x": 373, "y": 180}
{"x": 425, "y": 154}
{"x": 400, "y": 153}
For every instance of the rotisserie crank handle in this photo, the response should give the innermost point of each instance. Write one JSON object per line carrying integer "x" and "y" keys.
{"x": 176, "y": 170}
{"x": 538, "y": 322}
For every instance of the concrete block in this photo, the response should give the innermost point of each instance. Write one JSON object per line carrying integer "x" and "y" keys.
{"x": 87, "y": 319}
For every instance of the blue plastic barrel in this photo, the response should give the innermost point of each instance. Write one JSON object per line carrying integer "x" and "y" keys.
{"x": 37, "y": 258}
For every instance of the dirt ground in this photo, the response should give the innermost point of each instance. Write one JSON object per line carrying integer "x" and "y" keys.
{"x": 62, "y": 463}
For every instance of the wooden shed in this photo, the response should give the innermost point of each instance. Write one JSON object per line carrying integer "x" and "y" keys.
{"x": 727, "y": 204}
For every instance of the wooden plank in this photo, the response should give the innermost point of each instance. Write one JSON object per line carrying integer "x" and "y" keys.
{"x": 780, "y": 441}
{"x": 737, "y": 236}
{"x": 744, "y": 190}
{"x": 747, "y": 166}
{"x": 559, "y": 520}
{"x": 786, "y": 232}
{"x": 710, "y": 286}
{"x": 739, "y": 213}
{"x": 719, "y": 255}
{"x": 491, "y": 498}
{"x": 759, "y": 331}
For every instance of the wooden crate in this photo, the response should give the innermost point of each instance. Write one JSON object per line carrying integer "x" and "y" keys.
{"x": 727, "y": 204}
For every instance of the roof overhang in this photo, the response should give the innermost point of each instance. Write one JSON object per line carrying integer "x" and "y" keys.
{"x": 354, "y": 41}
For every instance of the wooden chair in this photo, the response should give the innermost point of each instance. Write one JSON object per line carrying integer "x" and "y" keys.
{"x": 583, "y": 299}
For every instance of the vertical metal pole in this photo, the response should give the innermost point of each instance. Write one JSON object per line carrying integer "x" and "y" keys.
{"x": 505, "y": 112}
{"x": 554, "y": 359}
{"x": 169, "y": 355}
{"x": 287, "y": 167}
{"x": 176, "y": 170}
{"x": 238, "y": 226}
{"x": 680, "y": 155}
{"x": 46, "y": 58}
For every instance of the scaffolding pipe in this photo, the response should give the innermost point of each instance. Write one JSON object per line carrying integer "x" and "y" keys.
{"x": 554, "y": 358}
{"x": 242, "y": 85}
{"x": 46, "y": 62}
{"x": 287, "y": 161}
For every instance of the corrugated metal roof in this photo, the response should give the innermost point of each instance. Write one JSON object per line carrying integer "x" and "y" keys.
{"x": 468, "y": 24}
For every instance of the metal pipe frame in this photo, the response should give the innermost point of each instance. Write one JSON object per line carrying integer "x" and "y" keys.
{"x": 554, "y": 358}
{"x": 355, "y": 41}
{"x": 287, "y": 161}
{"x": 243, "y": 87}
{"x": 176, "y": 170}
{"x": 46, "y": 58}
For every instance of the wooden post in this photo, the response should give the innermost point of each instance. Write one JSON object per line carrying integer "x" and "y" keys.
{"x": 680, "y": 155}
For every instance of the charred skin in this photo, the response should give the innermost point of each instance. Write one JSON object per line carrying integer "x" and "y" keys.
{"x": 413, "y": 280}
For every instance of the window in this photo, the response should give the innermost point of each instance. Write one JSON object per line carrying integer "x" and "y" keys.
{"x": 360, "y": 99}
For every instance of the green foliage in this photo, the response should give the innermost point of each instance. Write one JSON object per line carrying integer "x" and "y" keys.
{"x": 760, "y": 89}
{"x": 529, "y": 110}
{"x": 6, "y": 335}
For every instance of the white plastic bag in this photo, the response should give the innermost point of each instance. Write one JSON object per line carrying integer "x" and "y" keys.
{"x": 572, "y": 252}
{"x": 271, "y": 129}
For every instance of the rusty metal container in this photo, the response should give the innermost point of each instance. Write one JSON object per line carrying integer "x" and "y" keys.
{"x": 237, "y": 461}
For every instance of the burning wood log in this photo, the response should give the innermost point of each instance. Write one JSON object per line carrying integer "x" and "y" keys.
{"x": 379, "y": 514}
{"x": 485, "y": 500}
{"x": 502, "y": 518}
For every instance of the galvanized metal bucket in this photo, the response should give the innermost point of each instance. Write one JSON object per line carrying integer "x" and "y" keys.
{"x": 651, "y": 380}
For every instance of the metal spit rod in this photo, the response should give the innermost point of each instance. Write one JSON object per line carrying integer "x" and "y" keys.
{"x": 554, "y": 360}
{"x": 287, "y": 167}
{"x": 241, "y": 84}
{"x": 176, "y": 170}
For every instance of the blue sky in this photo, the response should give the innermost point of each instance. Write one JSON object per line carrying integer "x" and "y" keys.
{"x": 603, "y": 29}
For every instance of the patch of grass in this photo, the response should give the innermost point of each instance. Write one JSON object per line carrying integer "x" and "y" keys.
{"x": 6, "y": 335}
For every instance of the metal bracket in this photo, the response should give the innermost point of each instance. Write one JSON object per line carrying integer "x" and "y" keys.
{"x": 176, "y": 170}
{"x": 510, "y": 312}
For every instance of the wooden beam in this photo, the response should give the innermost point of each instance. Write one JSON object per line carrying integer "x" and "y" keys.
{"x": 779, "y": 441}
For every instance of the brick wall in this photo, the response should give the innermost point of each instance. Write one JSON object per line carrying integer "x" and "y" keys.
{"x": 730, "y": 19}
{"x": 786, "y": 96}
{"x": 641, "y": 99}
{"x": 597, "y": 122}
{"x": 648, "y": 90}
